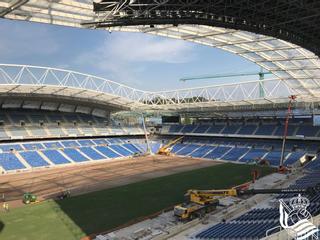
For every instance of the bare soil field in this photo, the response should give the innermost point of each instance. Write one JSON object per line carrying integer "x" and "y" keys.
{"x": 84, "y": 178}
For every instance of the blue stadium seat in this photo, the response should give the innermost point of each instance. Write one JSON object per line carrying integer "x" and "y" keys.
{"x": 155, "y": 147}
{"x": 247, "y": 129}
{"x": 273, "y": 157}
{"x": 218, "y": 152}
{"x": 92, "y": 153}
{"x": 265, "y": 130}
{"x": 280, "y": 130}
{"x": 294, "y": 156}
{"x": 188, "y": 128}
{"x": 132, "y": 148}
{"x": 34, "y": 159}
{"x": 33, "y": 146}
{"x": 17, "y": 117}
{"x": 232, "y": 129}
{"x": 100, "y": 141}
{"x": 235, "y": 154}
{"x": 201, "y": 128}
{"x": 107, "y": 151}
{"x": 86, "y": 142}
{"x": 215, "y": 129}
{"x": 9, "y": 147}
{"x": 70, "y": 143}
{"x": 253, "y": 154}
{"x": 54, "y": 144}
{"x": 55, "y": 157}
{"x": 121, "y": 150}
{"x": 75, "y": 155}
{"x": 308, "y": 131}
{"x": 175, "y": 128}
{"x": 187, "y": 149}
{"x": 10, "y": 162}
{"x": 202, "y": 151}
{"x": 113, "y": 140}
{"x": 177, "y": 147}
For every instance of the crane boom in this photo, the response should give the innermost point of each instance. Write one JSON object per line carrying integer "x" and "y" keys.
{"x": 164, "y": 150}
{"x": 210, "y": 76}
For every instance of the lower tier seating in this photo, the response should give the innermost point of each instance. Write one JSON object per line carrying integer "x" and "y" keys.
{"x": 20, "y": 156}
{"x": 241, "y": 150}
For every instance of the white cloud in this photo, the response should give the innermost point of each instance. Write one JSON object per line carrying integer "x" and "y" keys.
{"x": 134, "y": 47}
{"x": 123, "y": 55}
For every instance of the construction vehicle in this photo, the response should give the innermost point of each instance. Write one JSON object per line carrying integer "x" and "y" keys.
{"x": 282, "y": 168}
{"x": 64, "y": 194}
{"x": 200, "y": 202}
{"x": 29, "y": 198}
{"x": 166, "y": 149}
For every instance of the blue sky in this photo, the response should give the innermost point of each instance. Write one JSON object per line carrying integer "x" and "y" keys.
{"x": 138, "y": 60}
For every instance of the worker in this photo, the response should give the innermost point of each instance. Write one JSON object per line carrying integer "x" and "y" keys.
{"x": 5, "y": 206}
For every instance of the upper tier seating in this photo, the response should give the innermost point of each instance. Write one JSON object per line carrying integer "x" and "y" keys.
{"x": 247, "y": 129}
{"x": 201, "y": 128}
{"x": 29, "y": 124}
{"x": 297, "y": 128}
{"x": 188, "y": 128}
{"x": 230, "y": 129}
{"x": 215, "y": 129}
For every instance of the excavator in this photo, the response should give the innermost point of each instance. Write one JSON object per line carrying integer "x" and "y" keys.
{"x": 165, "y": 150}
{"x": 200, "y": 202}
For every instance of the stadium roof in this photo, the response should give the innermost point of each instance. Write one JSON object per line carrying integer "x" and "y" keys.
{"x": 17, "y": 80}
{"x": 296, "y": 68}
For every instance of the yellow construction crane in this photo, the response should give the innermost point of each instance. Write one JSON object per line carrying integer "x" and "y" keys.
{"x": 165, "y": 150}
{"x": 201, "y": 202}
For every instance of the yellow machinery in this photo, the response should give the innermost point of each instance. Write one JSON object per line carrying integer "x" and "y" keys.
{"x": 200, "y": 202}
{"x": 165, "y": 150}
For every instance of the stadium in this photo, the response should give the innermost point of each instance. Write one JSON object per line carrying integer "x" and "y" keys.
{"x": 81, "y": 159}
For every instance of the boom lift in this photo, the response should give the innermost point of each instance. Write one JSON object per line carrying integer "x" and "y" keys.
{"x": 165, "y": 150}
{"x": 200, "y": 202}
{"x": 282, "y": 168}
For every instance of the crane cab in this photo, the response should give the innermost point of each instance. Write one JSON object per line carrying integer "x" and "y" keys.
{"x": 191, "y": 210}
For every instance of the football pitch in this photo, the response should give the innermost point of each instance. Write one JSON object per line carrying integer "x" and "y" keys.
{"x": 96, "y": 212}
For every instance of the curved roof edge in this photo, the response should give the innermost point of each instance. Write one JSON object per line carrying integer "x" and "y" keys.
{"x": 17, "y": 80}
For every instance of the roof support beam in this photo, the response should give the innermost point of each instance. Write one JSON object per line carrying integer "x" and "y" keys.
{"x": 15, "y": 5}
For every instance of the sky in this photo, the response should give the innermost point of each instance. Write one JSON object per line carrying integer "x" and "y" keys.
{"x": 138, "y": 60}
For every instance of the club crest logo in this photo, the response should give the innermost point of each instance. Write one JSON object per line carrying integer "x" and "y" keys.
{"x": 296, "y": 220}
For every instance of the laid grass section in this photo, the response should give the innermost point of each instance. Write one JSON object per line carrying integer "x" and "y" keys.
{"x": 99, "y": 211}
